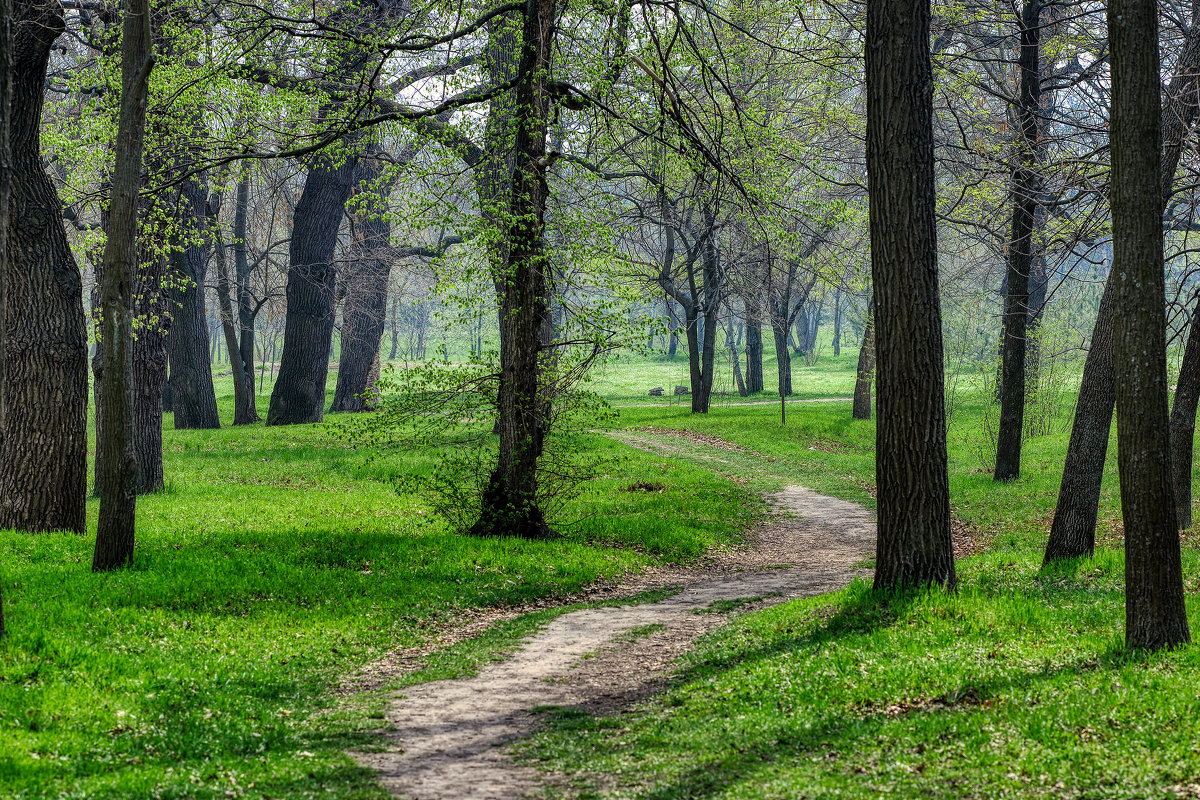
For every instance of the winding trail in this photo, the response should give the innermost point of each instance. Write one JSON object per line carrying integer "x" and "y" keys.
{"x": 449, "y": 739}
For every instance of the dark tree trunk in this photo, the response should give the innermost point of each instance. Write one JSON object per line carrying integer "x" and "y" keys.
{"x": 299, "y": 393}
{"x": 737, "y": 363}
{"x": 117, "y": 482}
{"x": 6, "y": 92}
{"x": 913, "y": 544}
{"x": 1020, "y": 252}
{"x": 193, "y": 398}
{"x": 43, "y": 460}
{"x": 244, "y": 412}
{"x": 1083, "y": 471}
{"x": 364, "y": 312}
{"x": 866, "y": 367}
{"x": 1038, "y": 285}
{"x": 1155, "y": 615}
{"x": 1183, "y": 422}
{"x": 510, "y": 502}
{"x": 783, "y": 358}
{"x": 754, "y": 350}
{"x": 1073, "y": 531}
{"x": 247, "y": 307}
{"x": 151, "y": 306}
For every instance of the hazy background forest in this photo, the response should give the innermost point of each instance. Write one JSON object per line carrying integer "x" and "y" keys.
{"x": 373, "y": 339}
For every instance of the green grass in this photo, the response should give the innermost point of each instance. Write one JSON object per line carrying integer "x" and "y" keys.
{"x": 277, "y": 562}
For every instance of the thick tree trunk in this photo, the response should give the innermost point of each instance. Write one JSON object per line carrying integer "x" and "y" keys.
{"x": 913, "y": 544}
{"x": 364, "y": 312}
{"x": 510, "y": 502}
{"x": 783, "y": 357}
{"x": 193, "y": 398}
{"x": 754, "y": 350}
{"x": 6, "y": 92}
{"x": 1155, "y": 615}
{"x": 1073, "y": 531}
{"x": 43, "y": 460}
{"x": 299, "y": 393}
{"x": 866, "y": 368}
{"x": 151, "y": 306}
{"x": 1183, "y": 423}
{"x": 117, "y": 482}
{"x": 1020, "y": 251}
{"x": 1083, "y": 471}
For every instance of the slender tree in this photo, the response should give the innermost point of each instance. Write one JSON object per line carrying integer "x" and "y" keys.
{"x": 1155, "y": 615}
{"x": 1020, "y": 252}
{"x": 118, "y": 481}
{"x": 913, "y": 545}
{"x": 866, "y": 367}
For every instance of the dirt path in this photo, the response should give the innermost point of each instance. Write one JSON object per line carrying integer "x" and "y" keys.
{"x": 448, "y": 738}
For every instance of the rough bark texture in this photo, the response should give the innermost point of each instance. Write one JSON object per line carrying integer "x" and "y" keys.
{"x": 43, "y": 460}
{"x": 1155, "y": 615}
{"x": 299, "y": 393}
{"x": 193, "y": 398}
{"x": 1020, "y": 249}
{"x": 866, "y": 368}
{"x": 754, "y": 350}
{"x": 364, "y": 312}
{"x": 510, "y": 504}
{"x": 117, "y": 482}
{"x": 247, "y": 306}
{"x": 913, "y": 546}
{"x": 1183, "y": 424}
{"x": 1073, "y": 531}
{"x": 6, "y": 82}
{"x": 244, "y": 412}
{"x": 1083, "y": 470}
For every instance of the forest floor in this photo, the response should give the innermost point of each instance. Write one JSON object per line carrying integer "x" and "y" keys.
{"x": 448, "y": 739}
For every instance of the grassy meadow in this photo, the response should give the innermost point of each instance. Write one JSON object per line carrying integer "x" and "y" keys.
{"x": 280, "y": 561}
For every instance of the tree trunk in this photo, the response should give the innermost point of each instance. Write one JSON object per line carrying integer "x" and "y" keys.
{"x": 1183, "y": 422}
{"x": 1020, "y": 253}
{"x": 151, "y": 301}
{"x": 364, "y": 312}
{"x": 913, "y": 545}
{"x": 510, "y": 502}
{"x": 783, "y": 358}
{"x": 837, "y": 323}
{"x": 866, "y": 367}
{"x": 395, "y": 328}
{"x": 43, "y": 463}
{"x": 1155, "y": 615}
{"x": 6, "y": 105}
{"x": 673, "y": 328}
{"x": 1083, "y": 470}
{"x": 244, "y": 412}
{"x": 117, "y": 482}
{"x": 754, "y": 350}
{"x": 193, "y": 398}
{"x": 299, "y": 393}
{"x": 246, "y": 305}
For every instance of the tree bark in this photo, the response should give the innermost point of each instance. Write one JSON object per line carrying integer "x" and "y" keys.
{"x": 1083, "y": 470}
{"x": 913, "y": 545}
{"x": 866, "y": 368}
{"x": 43, "y": 460}
{"x": 1020, "y": 252}
{"x": 6, "y": 87}
{"x": 244, "y": 412}
{"x": 117, "y": 482}
{"x": 247, "y": 307}
{"x": 299, "y": 392}
{"x": 510, "y": 501}
{"x": 364, "y": 312}
{"x": 1183, "y": 423}
{"x": 1155, "y": 615}
{"x": 1073, "y": 531}
{"x": 193, "y": 397}
{"x": 754, "y": 349}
